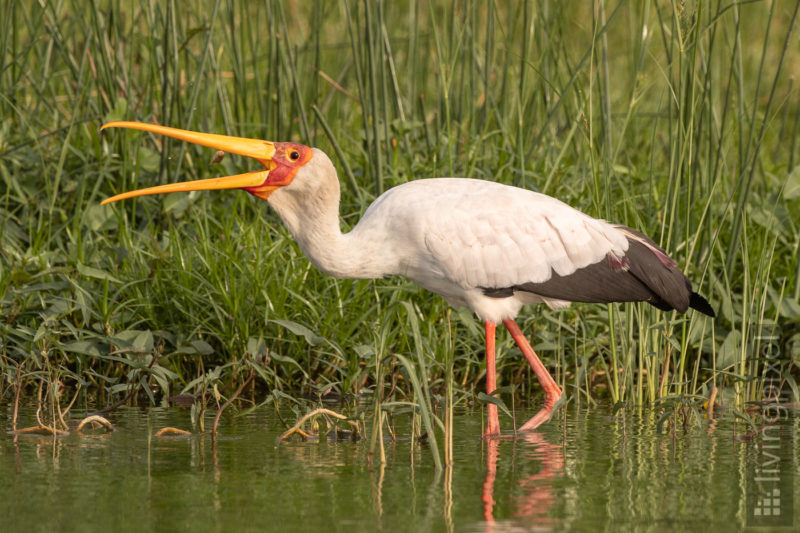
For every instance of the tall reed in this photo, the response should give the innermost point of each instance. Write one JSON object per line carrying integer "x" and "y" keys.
{"x": 678, "y": 119}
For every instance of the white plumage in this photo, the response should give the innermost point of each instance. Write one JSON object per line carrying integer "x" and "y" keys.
{"x": 452, "y": 236}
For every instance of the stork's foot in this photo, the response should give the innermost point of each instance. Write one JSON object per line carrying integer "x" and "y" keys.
{"x": 544, "y": 414}
{"x": 491, "y": 432}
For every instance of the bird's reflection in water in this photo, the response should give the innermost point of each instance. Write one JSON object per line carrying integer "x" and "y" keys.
{"x": 531, "y": 508}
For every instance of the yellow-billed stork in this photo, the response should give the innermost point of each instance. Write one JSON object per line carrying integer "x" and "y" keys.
{"x": 490, "y": 247}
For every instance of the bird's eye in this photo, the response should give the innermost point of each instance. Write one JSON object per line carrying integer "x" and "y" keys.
{"x": 295, "y": 155}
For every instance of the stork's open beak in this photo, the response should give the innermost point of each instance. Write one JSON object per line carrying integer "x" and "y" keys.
{"x": 254, "y": 182}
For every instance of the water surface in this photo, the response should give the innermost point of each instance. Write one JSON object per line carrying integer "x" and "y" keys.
{"x": 585, "y": 470}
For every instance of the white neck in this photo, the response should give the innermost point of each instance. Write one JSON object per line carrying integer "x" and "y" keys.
{"x": 309, "y": 207}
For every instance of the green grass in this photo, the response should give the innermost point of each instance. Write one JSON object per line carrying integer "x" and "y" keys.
{"x": 680, "y": 120}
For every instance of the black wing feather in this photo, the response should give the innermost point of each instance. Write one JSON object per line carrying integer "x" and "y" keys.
{"x": 642, "y": 276}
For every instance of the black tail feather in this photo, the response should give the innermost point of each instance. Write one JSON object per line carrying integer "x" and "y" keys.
{"x": 647, "y": 274}
{"x": 699, "y": 303}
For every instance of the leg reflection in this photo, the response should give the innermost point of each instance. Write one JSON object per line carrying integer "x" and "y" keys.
{"x": 537, "y": 490}
{"x": 488, "y": 483}
{"x": 532, "y": 506}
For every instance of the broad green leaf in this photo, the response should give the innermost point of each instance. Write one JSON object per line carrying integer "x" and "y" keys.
{"x": 96, "y": 273}
{"x": 298, "y": 329}
{"x": 120, "y": 111}
{"x": 150, "y": 161}
{"x": 256, "y": 346}
{"x": 143, "y": 342}
{"x": 485, "y": 398}
{"x": 729, "y": 351}
{"x": 138, "y": 341}
{"x": 792, "y": 188}
{"x": 202, "y": 347}
{"x": 82, "y": 347}
{"x": 97, "y": 217}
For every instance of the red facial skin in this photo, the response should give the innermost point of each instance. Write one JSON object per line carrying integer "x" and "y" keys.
{"x": 288, "y": 159}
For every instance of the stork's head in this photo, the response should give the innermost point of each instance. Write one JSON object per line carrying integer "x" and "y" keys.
{"x": 281, "y": 160}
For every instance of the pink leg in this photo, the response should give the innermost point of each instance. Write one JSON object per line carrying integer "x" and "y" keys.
{"x": 492, "y": 421}
{"x": 551, "y": 390}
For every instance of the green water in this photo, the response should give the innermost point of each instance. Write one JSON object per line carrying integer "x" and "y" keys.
{"x": 583, "y": 471}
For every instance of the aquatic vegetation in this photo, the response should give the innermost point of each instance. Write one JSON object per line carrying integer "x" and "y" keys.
{"x": 674, "y": 119}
